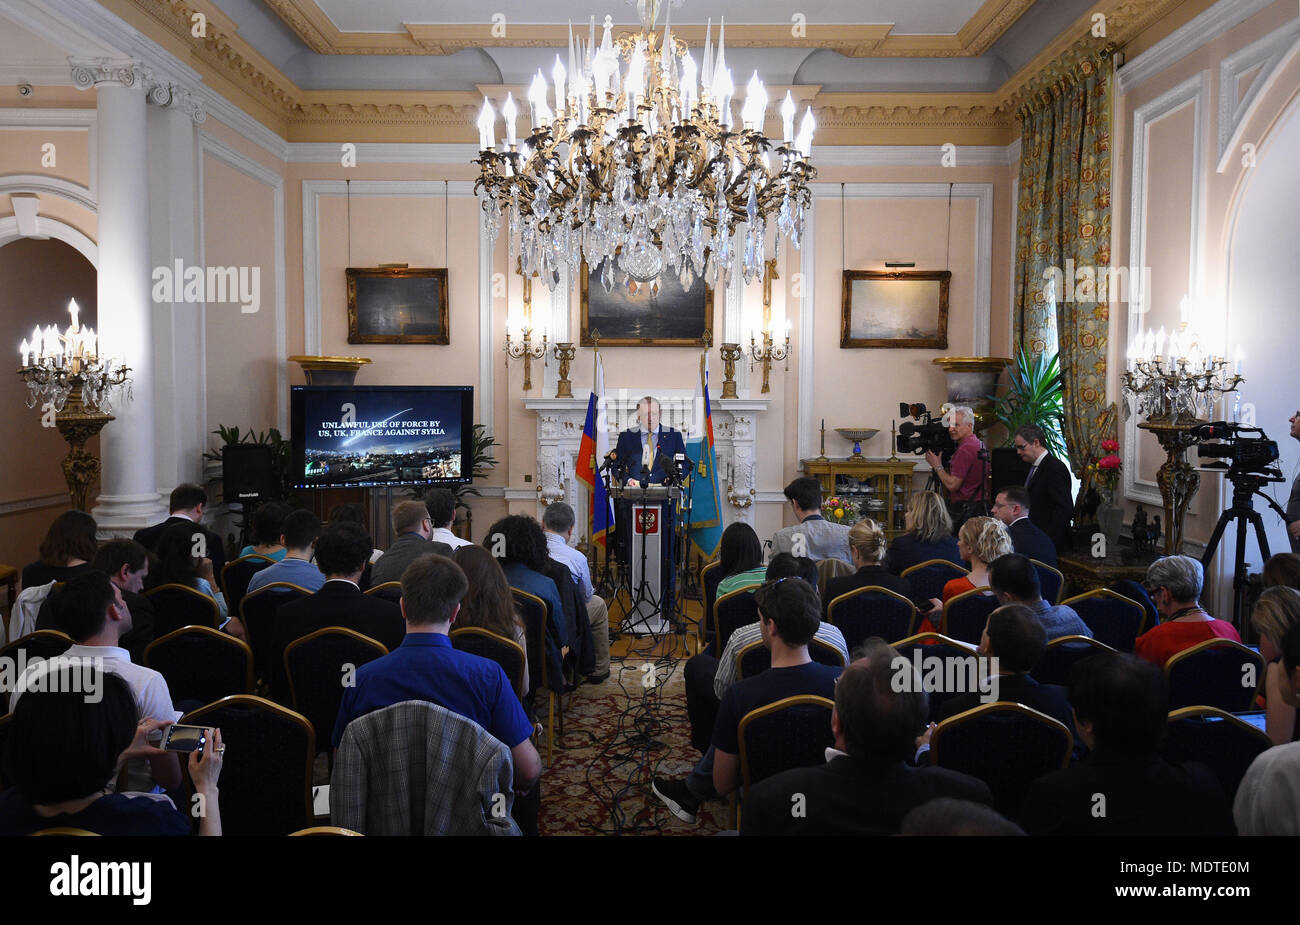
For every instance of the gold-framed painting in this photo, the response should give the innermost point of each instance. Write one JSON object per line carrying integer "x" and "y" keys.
{"x": 889, "y": 308}
{"x": 634, "y": 315}
{"x": 397, "y": 305}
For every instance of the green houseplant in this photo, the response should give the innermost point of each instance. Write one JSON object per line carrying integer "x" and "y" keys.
{"x": 1034, "y": 396}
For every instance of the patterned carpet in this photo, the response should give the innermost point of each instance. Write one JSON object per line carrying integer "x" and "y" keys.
{"x": 617, "y": 736}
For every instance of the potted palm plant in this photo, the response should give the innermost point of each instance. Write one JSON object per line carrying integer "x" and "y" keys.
{"x": 1034, "y": 396}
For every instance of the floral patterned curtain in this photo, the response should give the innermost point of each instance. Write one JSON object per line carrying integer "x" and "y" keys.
{"x": 1063, "y": 238}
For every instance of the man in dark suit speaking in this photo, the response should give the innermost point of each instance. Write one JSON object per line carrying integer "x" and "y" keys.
{"x": 648, "y": 447}
{"x": 1051, "y": 503}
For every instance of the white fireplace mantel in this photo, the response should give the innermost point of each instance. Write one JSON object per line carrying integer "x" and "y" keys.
{"x": 559, "y": 433}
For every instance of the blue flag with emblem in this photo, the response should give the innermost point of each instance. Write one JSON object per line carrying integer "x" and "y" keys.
{"x": 705, "y": 502}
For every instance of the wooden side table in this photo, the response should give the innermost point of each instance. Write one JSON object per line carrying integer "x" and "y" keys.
{"x": 1086, "y": 573}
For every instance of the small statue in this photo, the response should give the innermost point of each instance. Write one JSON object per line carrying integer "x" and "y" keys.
{"x": 1145, "y": 533}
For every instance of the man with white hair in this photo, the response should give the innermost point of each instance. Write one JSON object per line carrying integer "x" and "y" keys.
{"x": 965, "y": 475}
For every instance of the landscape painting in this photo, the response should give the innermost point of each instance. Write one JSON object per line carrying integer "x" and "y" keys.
{"x": 895, "y": 309}
{"x": 397, "y": 306}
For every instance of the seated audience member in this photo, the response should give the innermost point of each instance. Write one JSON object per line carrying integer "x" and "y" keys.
{"x": 813, "y": 536}
{"x": 301, "y": 528}
{"x": 1282, "y": 569}
{"x": 867, "y": 548}
{"x": 91, "y": 611}
{"x": 740, "y": 560}
{"x": 341, "y": 553}
{"x": 1123, "y": 786}
{"x": 789, "y": 612}
{"x": 186, "y": 506}
{"x": 519, "y": 544}
{"x": 267, "y": 530}
{"x": 426, "y": 667}
{"x": 1174, "y": 583}
{"x": 1268, "y": 800}
{"x": 947, "y": 816}
{"x": 1275, "y": 613}
{"x": 66, "y": 551}
{"x": 1015, "y": 637}
{"x": 558, "y": 523}
{"x": 126, "y": 563}
{"x": 488, "y": 603}
{"x": 1011, "y": 506}
{"x": 441, "y": 505}
{"x": 928, "y": 534}
{"x": 354, "y": 514}
{"x": 63, "y": 752}
{"x": 178, "y": 565}
{"x": 412, "y": 526}
{"x": 979, "y": 541}
{"x": 1014, "y": 580}
{"x": 866, "y": 786}
{"x": 707, "y": 678}
{"x": 1134, "y": 591}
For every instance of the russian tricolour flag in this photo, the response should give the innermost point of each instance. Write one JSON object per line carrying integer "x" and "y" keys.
{"x": 591, "y": 452}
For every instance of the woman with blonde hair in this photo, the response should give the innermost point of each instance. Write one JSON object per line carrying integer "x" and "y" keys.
{"x": 980, "y": 540}
{"x": 1276, "y": 612}
{"x": 928, "y": 534}
{"x": 867, "y": 549}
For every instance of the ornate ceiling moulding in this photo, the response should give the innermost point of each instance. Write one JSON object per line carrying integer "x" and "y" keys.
{"x": 1124, "y": 20}
{"x": 855, "y": 40}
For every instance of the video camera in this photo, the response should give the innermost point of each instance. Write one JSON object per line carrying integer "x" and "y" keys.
{"x": 929, "y": 435}
{"x": 1246, "y": 456}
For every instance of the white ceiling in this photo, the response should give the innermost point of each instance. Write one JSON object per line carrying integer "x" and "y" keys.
{"x": 931, "y": 17}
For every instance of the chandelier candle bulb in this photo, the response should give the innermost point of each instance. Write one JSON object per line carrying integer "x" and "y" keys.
{"x": 557, "y": 73}
{"x": 787, "y": 118}
{"x": 486, "y": 137}
{"x": 508, "y": 112}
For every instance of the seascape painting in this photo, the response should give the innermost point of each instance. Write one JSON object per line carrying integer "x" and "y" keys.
{"x": 895, "y": 309}
{"x": 634, "y": 314}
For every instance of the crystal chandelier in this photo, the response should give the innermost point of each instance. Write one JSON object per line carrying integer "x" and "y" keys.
{"x": 641, "y": 165}
{"x": 55, "y": 366}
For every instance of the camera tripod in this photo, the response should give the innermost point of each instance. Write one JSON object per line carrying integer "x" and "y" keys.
{"x": 1241, "y": 513}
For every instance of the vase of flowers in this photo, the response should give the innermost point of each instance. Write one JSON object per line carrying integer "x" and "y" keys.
{"x": 1105, "y": 470}
{"x": 840, "y": 510}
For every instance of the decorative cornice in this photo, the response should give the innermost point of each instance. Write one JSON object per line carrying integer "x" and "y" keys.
{"x": 170, "y": 95}
{"x": 854, "y": 40}
{"x": 1184, "y": 40}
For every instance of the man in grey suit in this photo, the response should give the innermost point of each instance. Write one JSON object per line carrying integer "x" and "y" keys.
{"x": 413, "y": 526}
{"x": 812, "y": 536}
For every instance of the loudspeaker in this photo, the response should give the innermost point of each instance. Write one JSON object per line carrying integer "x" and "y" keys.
{"x": 1008, "y": 468}
{"x": 246, "y": 472}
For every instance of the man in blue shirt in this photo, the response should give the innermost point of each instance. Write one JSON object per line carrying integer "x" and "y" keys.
{"x": 426, "y": 667}
{"x": 558, "y": 523}
{"x": 301, "y": 528}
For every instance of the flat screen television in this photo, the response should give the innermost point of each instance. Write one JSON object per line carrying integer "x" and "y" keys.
{"x": 381, "y": 435}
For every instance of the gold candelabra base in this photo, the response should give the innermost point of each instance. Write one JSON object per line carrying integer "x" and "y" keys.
{"x": 81, "y": 468}
{"x": 1177, "y": 480}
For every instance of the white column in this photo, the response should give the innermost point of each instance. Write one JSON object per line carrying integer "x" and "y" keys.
{"x": 177, "y": 325}
{"x": 129, "y": 488}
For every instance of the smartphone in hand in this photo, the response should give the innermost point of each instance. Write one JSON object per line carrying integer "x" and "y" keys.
{"x": 179, "y": 738}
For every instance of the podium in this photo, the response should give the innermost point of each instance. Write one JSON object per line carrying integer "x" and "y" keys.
{"x": 645, "y": 525}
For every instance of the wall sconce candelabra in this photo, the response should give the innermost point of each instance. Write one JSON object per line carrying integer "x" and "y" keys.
{"x": 769, "y": 351}
{"x": 524, "y": 348}
{"x": 66, "y": 373}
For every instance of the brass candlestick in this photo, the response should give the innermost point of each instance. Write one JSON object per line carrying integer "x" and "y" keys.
{"x": 823, "y": 457}
{"x": 893, "y": 441}
{"x": 564, "y": 352}
{"x": 730, "y": 354}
